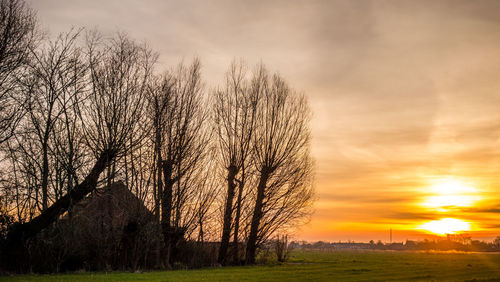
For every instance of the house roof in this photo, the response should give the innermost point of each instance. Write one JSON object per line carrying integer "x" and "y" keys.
{"x": 115, "y": 204}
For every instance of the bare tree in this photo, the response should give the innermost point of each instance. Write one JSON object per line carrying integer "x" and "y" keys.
{"x": 159, "y": 95}
{"x": 18, "y": 36}
{"x": 282, "y": 159}
{"x": 53, "y": 87}
{"x": 119, "y": 72}
{"x": 47, "y": 148}
{"x": 282, "y": 248}
{"x": 234, "y": 116}
{"x": 181, "y": 141}
{"x": 74, "y": 117}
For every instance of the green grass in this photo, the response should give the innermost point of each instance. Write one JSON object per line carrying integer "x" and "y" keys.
{"x": 322, "y": 266}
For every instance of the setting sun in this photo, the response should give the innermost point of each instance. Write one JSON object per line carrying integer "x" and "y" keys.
{"x": 447, "y": 196}
{"x": 449, "y": 193}
{"x": 446, "y": 226}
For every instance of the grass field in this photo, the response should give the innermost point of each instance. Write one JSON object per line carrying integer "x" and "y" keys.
{"x": 322, "y": 266}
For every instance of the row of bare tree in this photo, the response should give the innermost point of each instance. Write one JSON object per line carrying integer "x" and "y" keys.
{"x": 83, "y": 111}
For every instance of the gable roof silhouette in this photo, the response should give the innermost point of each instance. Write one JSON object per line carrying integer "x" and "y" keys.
{"x": 115, "y": 205}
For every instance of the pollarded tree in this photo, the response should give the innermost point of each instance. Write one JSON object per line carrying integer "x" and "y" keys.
{"x": 181, "y": 142}
{"x": 235, "y": 108}
{"x": 159, "y": 97}
{"x": 282, "y": 160}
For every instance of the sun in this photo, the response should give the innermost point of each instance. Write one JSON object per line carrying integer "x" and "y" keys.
{"x": 447, "y": 194}
{"x": 446, "y": 226}
{"x": 447, "y": 197}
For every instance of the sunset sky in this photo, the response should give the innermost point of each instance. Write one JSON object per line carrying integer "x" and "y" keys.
{"x": 405, "y": 95}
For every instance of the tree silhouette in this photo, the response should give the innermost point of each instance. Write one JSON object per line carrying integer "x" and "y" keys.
{"x": 181, "y": 142}
{"x": 79, "y": 113}
{"x": 282, "y": 159}
{"x": 119, "y": 73}
{"x": 235, "y": 108}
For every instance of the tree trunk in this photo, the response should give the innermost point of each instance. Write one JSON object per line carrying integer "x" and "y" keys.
{"x": 256, "y": 218}
{"x": 158, "y": 191}
{"x": 159, "y": 173}
{"x": 166, "y": 209}
{"x": 228, "y": 211}
{"x": 45, "y": 173}
{"x": 236, "y": 255}
{"x": 200, "y": 233}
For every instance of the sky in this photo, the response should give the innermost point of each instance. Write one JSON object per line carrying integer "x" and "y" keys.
{"x": 405, "y": 97}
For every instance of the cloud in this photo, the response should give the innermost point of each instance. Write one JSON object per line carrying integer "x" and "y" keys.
{"x": 491, "y": 209}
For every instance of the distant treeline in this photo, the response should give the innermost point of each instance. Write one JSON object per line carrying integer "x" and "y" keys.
{"x": 450, "y": 243}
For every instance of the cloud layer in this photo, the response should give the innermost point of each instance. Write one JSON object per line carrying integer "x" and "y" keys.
{"x": 403, "y": 92}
